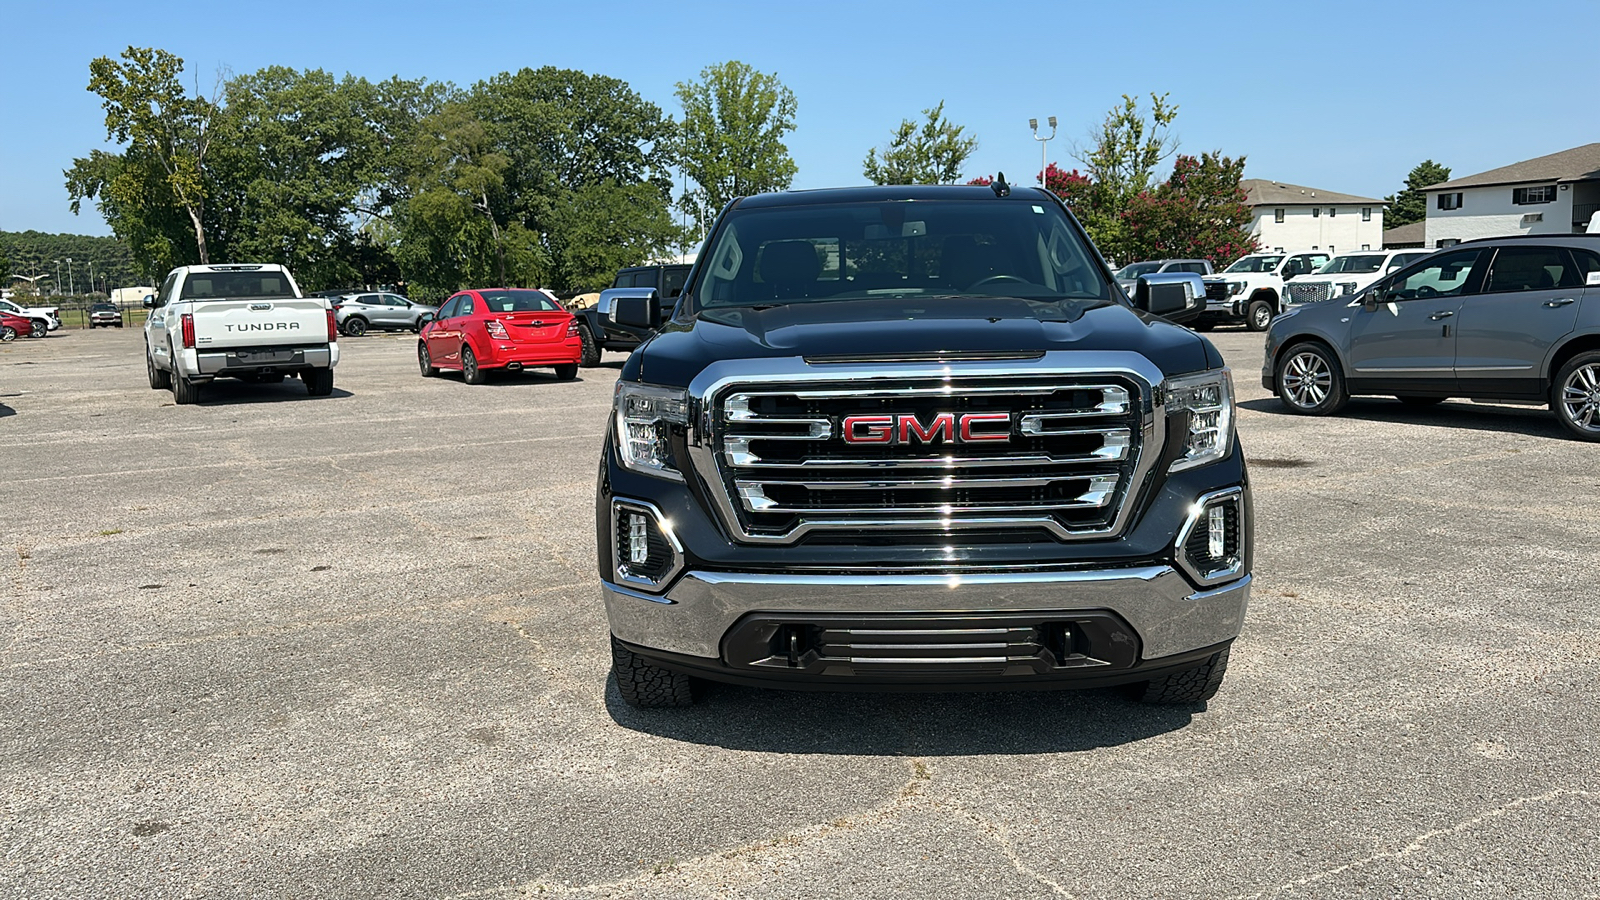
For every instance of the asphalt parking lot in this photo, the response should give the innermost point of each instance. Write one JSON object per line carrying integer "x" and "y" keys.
{"x": 352, "y": 647}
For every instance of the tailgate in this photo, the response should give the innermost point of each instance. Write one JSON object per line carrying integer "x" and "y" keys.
{"x": 251, "y": 323}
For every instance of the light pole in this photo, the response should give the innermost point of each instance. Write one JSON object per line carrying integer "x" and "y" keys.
{"x": 1044, "y": 145}
{"x": 57, "y": 285}
{"x": 70, "y": 290}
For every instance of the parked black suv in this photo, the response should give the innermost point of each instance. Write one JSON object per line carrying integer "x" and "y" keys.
{"x": 918, "y": 436}
{"x": 595, "y": 324}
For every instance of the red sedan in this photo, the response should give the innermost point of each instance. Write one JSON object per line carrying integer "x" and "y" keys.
{"x": 13, "y": 327}
{"x": 500, "y": 328}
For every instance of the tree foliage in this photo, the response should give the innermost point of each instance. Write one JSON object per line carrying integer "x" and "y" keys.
{"x": 933, "y": 152}
{"x": 731, "y": 140}
{"x": 1199, "y": 212}
{"x": 169, "y": 131}
{"x": 1411, "y": 204}
{"x": 1119, "y": 163}
{"x": 33, "y": 255}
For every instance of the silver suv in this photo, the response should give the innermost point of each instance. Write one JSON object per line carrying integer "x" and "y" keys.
{"x": 359, "y": 313}
{"x": 1513, "y": 318}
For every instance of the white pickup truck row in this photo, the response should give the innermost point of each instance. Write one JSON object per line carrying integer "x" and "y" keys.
{"x": 246, "y": 321}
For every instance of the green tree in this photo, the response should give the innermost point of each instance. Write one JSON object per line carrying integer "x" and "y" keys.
{"x": 1411, "y": 204}
{"x": 168, "y": 132}
{"x": 933, "y": 152}
{"x": 731, "y": 140}
{"x": 1119, "y": 162}
{"x": 1199, "y": 212}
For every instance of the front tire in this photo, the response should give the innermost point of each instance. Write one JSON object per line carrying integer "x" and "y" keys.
{"x": 646, "y": 686}
{"x": 470, "y": 373}
{"x": 1190, "y": 686}
{"x": 1310, "y": 382}
{"x": 567, "y": 372}
{"x": 1258, "y": 316}
{"x": 319, "y": 382}
{"x": 160, "y": 379}
{"x": 425, "y": 362}
{"x": 355, "y": 326}
{"x": 591, "y": 348}
{"x": 7, "y": 334}
{"x": 1575, "y": 396}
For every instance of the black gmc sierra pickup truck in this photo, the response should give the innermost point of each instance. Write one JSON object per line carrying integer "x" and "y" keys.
{"x": 917, "y": 437}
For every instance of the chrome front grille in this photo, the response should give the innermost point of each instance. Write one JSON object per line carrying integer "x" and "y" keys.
{"x": 1315, "y": 292}
{"x": 1069, "y": 456}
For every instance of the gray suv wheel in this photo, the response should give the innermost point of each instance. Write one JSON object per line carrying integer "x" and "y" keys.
{"x": 1575, "y": 396}
{"x": 1309, "y": 381}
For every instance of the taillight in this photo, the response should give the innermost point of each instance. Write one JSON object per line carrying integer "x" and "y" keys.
{"x": 188, "y": 330}
{"x": 333, "y": 328}
{"x": 572, "y": 328}
{"x": 497, "y": 330}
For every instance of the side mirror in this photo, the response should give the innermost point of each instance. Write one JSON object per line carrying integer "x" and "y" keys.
{"x": 1370, "y": 300}
{"x": 636, "y": 307}
{"x": 149, "y": 301}
{"x": 1174, "y": 296}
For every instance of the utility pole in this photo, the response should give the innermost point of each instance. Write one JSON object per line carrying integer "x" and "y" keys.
{"x": 57, "y": 286}
{"x": 1044, "y": 145}
{"x": 71, "y": 290}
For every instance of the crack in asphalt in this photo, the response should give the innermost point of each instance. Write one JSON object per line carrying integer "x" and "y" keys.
{"x": 1419, "y": 843}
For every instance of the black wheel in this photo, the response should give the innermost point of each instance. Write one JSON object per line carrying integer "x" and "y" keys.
{"x": 319, "y": 382}
{"x": 119, "y": 324}
{"x": 7, "y": 334}
{"x": 1575, "y": 396}
{"x": 355, "y": 326}
{"x": 567, "y": 372}
{"x": 1309, "y": 381}
{"x": 160, "y": 379}
{"x": 469, "y": 367}
{"x": 644, "y": 686}
{"x": 1258, "y": 316}
{"x": 184, "y": 391}
{"x": 1420, "y": 401}
{"x": 1196, "y": 685}
{"x": 424, "y": 361}
{"x": 40, "y": 328}
{"x": 591, "y": 349}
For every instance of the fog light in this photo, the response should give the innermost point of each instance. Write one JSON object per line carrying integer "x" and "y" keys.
{"x": 1216, "y": 532}
{"x": 639, "y": 539}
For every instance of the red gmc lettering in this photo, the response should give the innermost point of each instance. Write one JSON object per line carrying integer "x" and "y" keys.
{"x": 879, "y": 429}
{"x": 943, "y": 422}
{"x": 970, "y": 419}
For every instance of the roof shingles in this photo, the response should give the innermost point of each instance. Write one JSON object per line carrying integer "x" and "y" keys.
{"x": 1577, "y": 164}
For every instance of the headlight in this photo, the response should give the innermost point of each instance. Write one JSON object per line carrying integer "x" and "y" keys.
{"x": 1235, "y": 287}
{"x": 1208, "y": 398}
{"x": 646, "y": 415}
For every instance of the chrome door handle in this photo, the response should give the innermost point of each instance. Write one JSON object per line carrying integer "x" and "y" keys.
{"x": 1441, "y": 315}
{"x": 1556, "y": 304}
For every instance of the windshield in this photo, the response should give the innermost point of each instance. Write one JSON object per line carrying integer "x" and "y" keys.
{"x": 235, "y": 285}
{"x": 1256, "y": 264}
{"x": 895, "y": 249}
{"x": 1351, "y": 264}
{"x": 1134, "y": 270}
{"x": 102, "y": 307}
{"x": 518, "y": 301}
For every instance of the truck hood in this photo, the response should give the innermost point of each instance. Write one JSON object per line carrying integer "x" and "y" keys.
{"x": 890, "y": 327}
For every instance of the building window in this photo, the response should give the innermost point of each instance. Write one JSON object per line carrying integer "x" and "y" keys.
{"x": 1450, "y": 201}
{"x": 1366, "y": 216}
{"x": 1277, "y": 216}
{"x": 1316, "y": 211}
{"x": 1332, "y": 211}
{"x": 1366, "y": 246}
{"x": 1544, "y": 193}
{"x": 1330, "y": 249}
{"x": 1442, "y": 243}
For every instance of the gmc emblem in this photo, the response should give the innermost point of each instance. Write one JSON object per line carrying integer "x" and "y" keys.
{"x": 952, "y": 429}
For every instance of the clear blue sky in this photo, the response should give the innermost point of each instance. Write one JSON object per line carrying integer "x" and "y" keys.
{"x": 1345, "y": 96}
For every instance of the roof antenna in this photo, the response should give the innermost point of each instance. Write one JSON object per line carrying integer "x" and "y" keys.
{"x": 999, "y": 186}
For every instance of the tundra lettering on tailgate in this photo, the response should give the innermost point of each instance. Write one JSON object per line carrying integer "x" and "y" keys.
{"x": 263, "y": 326}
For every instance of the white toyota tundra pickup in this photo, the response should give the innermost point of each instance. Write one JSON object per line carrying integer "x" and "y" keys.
{"x": 244, "y": 321}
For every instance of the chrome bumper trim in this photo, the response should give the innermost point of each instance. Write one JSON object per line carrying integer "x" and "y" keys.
{"x": 691, "y": 618}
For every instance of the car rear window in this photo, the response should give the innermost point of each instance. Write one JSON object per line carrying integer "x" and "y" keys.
{"x": 235, "y": 285}
{"x": 518, "y": 301}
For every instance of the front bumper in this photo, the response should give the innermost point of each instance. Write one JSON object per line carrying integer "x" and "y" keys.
{"x": 1168, "y": 615}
